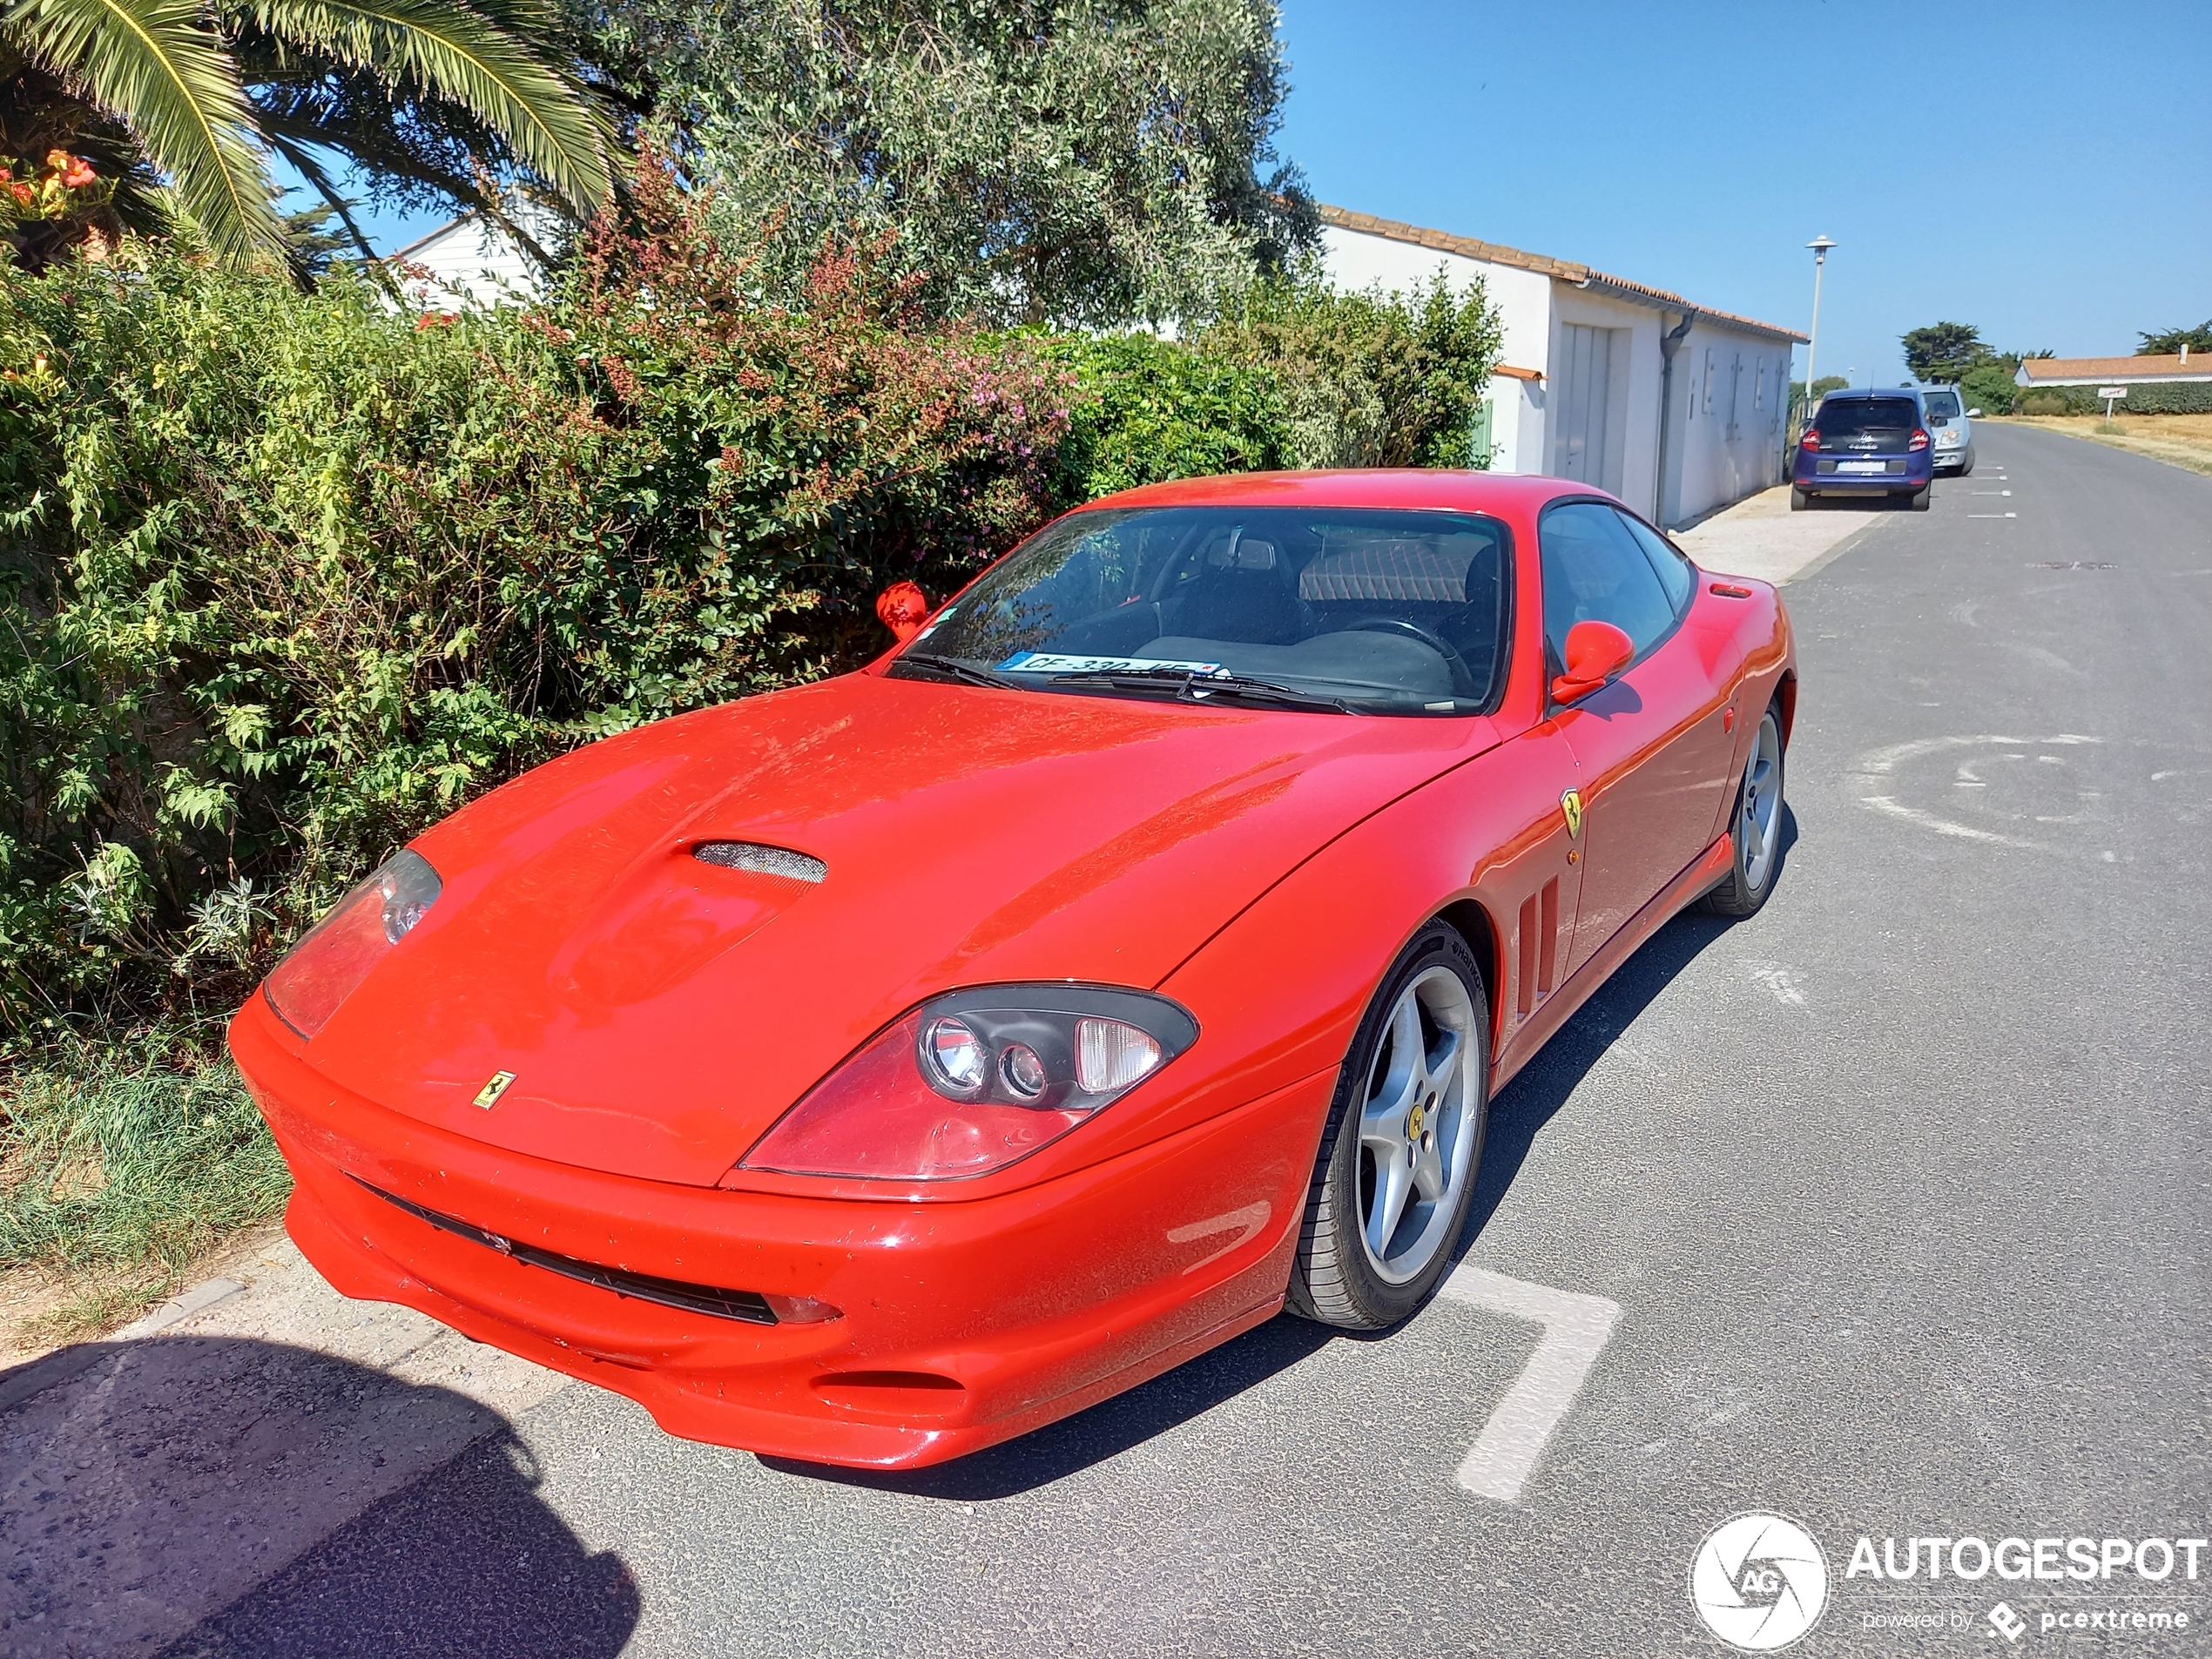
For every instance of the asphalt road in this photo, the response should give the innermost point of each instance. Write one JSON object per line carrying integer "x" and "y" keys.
{"x": 1899, "y": 1188}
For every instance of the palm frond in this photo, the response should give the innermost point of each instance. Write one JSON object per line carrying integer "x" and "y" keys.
{"x": 309, "y": 166}
{"x": 453, "y": 53}
{"x": 154, "y": 65}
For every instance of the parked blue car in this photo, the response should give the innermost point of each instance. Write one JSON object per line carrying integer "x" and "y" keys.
{"x": 1865, "y": 442}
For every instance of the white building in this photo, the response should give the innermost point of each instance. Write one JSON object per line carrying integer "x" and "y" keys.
{"x": 1675, "y": 408}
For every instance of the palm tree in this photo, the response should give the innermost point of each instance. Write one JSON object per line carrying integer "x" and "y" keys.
{"x": 180, "y": 80}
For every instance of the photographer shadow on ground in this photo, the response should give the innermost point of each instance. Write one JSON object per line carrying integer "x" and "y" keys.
{"x": 213, "y": 1495}
{"x": 1198, "y": 1385}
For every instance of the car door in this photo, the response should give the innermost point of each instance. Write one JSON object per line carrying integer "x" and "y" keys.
{"x": 1653, "y": 745}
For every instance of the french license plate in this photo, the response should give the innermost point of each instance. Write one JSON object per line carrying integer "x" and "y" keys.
{"x": 1861, "y": 466}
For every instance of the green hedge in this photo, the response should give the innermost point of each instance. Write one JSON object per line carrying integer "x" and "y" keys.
{"x": 1149, "y": 409}
{"x": 290, "y": 576}
{"x": 2165, "y": 397}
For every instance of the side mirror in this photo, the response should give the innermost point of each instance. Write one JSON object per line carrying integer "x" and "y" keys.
{"x": 1596, "y": 653}
{"x": 902, "y": 608}
{"x": 1973, "y": 414}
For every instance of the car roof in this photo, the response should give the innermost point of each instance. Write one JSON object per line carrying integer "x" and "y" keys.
{"x": 1873, "y": 391}
{"x": 1488, "y": 492}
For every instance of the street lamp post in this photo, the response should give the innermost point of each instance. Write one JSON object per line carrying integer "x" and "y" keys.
{"x": 1820, "y": 245}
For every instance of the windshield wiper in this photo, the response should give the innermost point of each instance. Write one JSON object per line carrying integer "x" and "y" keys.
{"x": 1187, "y": 686}
{"x": 957, "y": 670}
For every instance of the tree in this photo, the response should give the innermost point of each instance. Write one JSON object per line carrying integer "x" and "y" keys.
{"x": 1988, "y": 387}
{"x": 202, "y": 92}
{"x": 2168, "y": 342}
{"x": 1370, "y": 379}
{"x": 1943, "y": 351}
{"x": 1071, "y": 162}
{"x": 1821, "y": 387}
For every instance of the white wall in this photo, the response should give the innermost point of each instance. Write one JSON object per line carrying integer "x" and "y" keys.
{"x": 1731, "y": 396}
{"x": 472, "y": 263}
{"x": 1522, "y": 299}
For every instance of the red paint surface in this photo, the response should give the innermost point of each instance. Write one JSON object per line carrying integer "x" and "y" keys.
{"x": 1260, "y": 867}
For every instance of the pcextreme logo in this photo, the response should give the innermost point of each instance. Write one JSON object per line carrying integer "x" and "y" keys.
{"x": 1759, "y": 1581}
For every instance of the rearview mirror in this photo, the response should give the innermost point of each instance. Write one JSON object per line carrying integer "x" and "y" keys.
{"x": 1596, "y": 653}
{"x": 1973, "y": 414}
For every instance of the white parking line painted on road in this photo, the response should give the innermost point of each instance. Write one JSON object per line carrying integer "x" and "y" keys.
{"x": 1993, "y": 515}
{"x": 1576, "y": 1329}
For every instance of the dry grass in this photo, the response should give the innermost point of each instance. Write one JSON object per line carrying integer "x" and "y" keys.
{"x": 2179, "y": 440}
{"x": 122, "y": 1166}
{"x": 77, "y": 1306}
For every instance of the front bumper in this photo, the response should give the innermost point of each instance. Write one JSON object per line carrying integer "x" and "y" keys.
{"x": 964, "y": 1323}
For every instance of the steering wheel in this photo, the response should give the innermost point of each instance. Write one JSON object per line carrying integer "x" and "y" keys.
{"x": 1462, "y": 676}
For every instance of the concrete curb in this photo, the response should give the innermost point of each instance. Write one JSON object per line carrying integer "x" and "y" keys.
{"x": 37, "y": 1376}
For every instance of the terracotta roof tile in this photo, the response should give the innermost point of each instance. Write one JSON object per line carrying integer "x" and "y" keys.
{"x": 2046, "y": 370}
{"x": 1562, "y": 270}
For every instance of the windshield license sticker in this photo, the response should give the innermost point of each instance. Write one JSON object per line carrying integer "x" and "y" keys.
{"x": 1046, "y": 661}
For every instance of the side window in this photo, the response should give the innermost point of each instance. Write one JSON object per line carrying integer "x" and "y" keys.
{"x": 1594, "y": 571}
{"x": 1676, "y": 575}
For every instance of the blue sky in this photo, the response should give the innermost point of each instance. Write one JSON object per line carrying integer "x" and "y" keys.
{"x": 2036, "y": 169}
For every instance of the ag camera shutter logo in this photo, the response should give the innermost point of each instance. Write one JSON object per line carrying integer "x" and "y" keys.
{"x": 1759, "y": 1581}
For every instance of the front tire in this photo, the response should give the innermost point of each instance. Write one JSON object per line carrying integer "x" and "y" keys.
{"x": 1757, "y": 829}
{"x": 1395, "y": 1173}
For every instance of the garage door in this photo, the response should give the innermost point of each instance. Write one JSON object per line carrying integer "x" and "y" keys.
{"x": 1585, "y": 445}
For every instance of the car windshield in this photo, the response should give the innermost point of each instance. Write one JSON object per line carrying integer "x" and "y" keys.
{"x": 1866, "y": 417}
{"x": 1942, "y": 406}
{"x": 1380, "y": 612}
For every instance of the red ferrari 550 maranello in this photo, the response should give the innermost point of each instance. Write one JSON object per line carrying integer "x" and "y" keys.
{"x": 870, "y": 1072}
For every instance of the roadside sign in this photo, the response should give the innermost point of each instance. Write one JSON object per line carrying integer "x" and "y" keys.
{"x": 2113, "y": 394}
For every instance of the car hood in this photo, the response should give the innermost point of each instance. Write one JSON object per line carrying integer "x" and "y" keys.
{"x": 659, "y": 1012}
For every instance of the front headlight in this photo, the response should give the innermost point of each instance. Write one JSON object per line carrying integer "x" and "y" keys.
{"x": 322, "y": 970}
{"x": 973, "y": 1080}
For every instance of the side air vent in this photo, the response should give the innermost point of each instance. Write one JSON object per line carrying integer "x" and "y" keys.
{"x": 761, "y": 860}
{"x": 1537, "y": 940}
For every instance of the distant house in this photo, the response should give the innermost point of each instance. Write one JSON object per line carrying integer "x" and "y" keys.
{"x": 1674, "y": 407}
{"x": 469, "y": 262}
{"x": 2177, "y": 384}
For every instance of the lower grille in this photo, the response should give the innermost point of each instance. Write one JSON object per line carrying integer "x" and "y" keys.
{"x": 749, "y": 1305}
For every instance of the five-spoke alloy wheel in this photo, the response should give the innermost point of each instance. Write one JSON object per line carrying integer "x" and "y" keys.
{"x": 1397, "y": 1166}
{"x": 1757, "y": 830}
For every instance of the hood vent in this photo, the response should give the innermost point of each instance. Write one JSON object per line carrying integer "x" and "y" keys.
{"x": 761, "y": 860}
